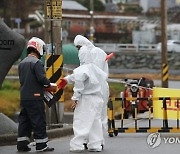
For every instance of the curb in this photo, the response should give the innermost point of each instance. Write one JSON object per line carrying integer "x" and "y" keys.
{"x": 11, "y": 139}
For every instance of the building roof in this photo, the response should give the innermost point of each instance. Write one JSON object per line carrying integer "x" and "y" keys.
{"x": 72, "y": 5}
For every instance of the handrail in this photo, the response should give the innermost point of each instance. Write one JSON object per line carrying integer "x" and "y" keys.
{"x": 111, "y": 47}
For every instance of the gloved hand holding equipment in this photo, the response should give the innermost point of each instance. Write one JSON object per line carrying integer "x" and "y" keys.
{"x": 51, "y": 88}
{"x": 49, "y": 98}
{"x": 62, "y": 83}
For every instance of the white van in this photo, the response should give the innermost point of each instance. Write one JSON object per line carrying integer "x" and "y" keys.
{"x": 172, "y": 46}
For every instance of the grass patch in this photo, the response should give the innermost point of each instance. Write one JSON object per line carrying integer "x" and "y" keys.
{"x": 115, "y": 90}
{"x": 9, "y": 97}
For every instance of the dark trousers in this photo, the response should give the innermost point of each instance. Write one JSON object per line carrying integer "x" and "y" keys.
{"x": 32, "y": 118}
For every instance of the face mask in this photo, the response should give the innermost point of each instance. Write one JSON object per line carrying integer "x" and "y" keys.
{"x": 82, "y": 56}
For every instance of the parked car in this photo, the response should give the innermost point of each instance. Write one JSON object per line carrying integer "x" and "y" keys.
{"x": 172, "y": 46}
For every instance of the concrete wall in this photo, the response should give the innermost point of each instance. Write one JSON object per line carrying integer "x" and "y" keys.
{"x": 143, "y": 60}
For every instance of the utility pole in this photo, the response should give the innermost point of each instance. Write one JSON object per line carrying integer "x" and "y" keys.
{"x": 164, "y": 74}
{"x": 54, "y": 60}
{"x": 92, "y": 20}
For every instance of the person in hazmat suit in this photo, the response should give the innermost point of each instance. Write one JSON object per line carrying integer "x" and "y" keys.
{"x": 99, "y": 59}
{"x": 88, "y": 100}
{"x": 93, "y": 60}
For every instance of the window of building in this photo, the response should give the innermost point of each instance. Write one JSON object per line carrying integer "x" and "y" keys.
{"x": 81, "y": 23}
{"x": 67, "y": 24}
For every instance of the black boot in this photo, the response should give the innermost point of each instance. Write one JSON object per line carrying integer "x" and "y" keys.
{"x": 47, "y": 149}
{"x": 22, "y": 146}
{"x": 42, "y": 147}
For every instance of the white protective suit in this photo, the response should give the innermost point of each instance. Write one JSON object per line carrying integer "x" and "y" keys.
{"x": 88, "y": 90}
{"x": 89, "y": 54}
{"x": 98, "y": 58}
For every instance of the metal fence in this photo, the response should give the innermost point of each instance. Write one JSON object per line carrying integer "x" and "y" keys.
{"x": 107, "y": 47}
{"x": 113, "y": 130}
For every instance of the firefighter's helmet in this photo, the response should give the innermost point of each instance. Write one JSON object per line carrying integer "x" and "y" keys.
{"x": 37, "y": 44}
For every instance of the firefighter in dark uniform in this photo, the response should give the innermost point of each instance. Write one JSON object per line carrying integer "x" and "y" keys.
{"x": 33, "y": 80}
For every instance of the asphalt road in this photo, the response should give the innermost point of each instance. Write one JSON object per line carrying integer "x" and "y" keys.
{"x": 122, "y": 144}
{"x": 172, "y": 84}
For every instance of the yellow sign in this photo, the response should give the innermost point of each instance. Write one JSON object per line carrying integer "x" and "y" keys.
{"x": 173, "y": 111}
{"x": 54, "y": 9}
{"x": 54, "y": 72}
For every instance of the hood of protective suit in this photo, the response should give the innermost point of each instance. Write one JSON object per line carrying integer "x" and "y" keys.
{"x": 88, "y": 53}
{"x": 84, "y": 56}
{"x": 84, "y": 52}
{"x": 82, "y": 41}
{"x": 98, "y": 57}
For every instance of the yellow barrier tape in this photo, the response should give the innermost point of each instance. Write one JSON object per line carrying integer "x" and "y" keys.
{"x": 110, "y": 131}
{"x": 130, "y": 130}
{"x": 174, "y": 130}
{"x": 145, "y": 98}
{"x": 131, "y": 98}
{"x": 110, "y": 114}
{"x": 112, "y": 98}
{"x": 153, "y": 130}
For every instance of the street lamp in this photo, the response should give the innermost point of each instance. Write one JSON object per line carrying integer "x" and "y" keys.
{"x": 91, "y": 12}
